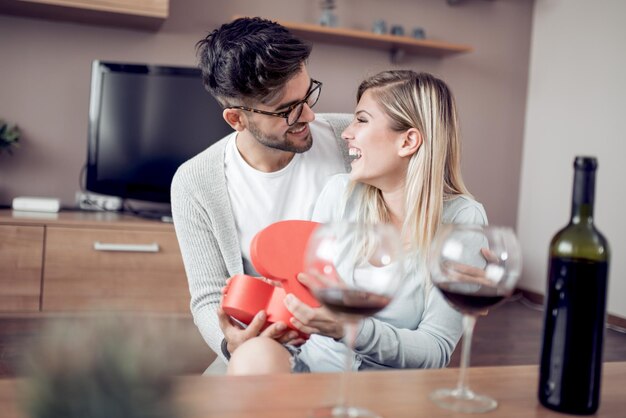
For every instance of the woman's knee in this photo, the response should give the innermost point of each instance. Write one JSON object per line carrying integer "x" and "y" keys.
{"x": 260, "y": 355}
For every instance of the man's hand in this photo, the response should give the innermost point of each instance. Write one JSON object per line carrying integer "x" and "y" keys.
{"x": 235, "y": 334}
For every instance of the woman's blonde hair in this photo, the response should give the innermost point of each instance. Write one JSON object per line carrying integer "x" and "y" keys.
{"x": 421, "y": 101}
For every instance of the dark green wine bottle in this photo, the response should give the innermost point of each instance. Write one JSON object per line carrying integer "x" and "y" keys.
{"x": 575, "y": 308}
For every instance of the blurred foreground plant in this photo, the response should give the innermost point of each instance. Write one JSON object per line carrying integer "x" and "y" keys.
{"x": 9, "y": 137}
{"x": 104, "y": 368}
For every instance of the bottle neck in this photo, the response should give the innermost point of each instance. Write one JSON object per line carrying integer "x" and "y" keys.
{"x": 583, "y": 196}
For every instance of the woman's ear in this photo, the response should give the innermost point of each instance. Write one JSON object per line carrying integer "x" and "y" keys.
{"x": 411, "y": 142}
{"x": 235, "y": 119}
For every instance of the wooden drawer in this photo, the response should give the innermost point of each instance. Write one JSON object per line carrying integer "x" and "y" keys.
{"x": 78, "y": 277}
{"x": 21, "y": 249}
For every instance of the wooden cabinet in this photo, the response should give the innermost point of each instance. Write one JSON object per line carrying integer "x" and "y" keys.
{"x": 90, "y": 262}
{"x": 21, "y": 250}
{"x": 139, "y": 14}
{"x": 80, "y": 276}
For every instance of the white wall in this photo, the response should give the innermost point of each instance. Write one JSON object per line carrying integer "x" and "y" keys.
{"x": 575, "y": 106}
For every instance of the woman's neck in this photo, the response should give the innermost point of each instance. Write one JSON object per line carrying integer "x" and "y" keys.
{"x": 394, "y": 200}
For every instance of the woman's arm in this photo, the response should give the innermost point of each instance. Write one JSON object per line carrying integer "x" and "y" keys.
{"x": 381, "y": 345}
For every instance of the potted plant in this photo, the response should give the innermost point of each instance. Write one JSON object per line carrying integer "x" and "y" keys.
{"x": 104, "y": 367}
{"x": 9, "y": 137}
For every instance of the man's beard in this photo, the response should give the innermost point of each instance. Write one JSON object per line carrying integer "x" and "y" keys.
{"x": 281, "y": 143}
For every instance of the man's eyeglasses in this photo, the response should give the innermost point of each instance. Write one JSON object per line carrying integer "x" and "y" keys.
{"x": 293, "y": 112}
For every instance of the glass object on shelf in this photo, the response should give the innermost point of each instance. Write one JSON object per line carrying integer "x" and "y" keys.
{"x": 418, "y": 33}
{"x": 397, "y": 30}
{"x": 328, "y": 16}
{"x": 380, "y": 27}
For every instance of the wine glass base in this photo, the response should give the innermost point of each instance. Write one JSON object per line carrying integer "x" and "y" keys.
{"x": 463, "y": 400}
{"x": 342, "y": 412}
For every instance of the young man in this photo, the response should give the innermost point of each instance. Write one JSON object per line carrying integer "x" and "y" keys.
{"x": 272, "y": 167}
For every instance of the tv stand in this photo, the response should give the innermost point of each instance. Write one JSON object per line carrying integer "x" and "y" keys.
{"x": 89, "y": 261}
{"x": 155, "y": 212}
{"x": 154, "y": 215}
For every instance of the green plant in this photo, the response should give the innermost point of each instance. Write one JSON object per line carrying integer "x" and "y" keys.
{"x": 9, "y": 137}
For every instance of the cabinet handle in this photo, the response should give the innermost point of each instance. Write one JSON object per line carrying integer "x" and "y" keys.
{"x": 141, "y": 248}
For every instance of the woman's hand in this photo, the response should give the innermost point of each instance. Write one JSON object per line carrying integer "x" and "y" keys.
{"x": 312, "y": 320}
{"x": 465, "y": 273}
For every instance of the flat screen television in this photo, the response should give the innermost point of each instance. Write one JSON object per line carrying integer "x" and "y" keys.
{"x": 145, "y": 121}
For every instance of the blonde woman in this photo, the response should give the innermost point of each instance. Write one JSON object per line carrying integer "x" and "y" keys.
{"x": 406, "y": 172}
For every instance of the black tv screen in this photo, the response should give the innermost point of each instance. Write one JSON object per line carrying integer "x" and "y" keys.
{"x": 144, "y": 121}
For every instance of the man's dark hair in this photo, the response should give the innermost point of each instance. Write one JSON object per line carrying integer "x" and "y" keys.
{"x": 249, "y": 58}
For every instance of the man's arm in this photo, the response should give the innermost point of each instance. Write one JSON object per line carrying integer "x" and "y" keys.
{"x": 209, "y": 260}
{"x": 204, "y": 264}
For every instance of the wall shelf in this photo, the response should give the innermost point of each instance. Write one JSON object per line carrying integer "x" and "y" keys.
{"x": 136, "y": 14}
{"x": 396, "y": 45}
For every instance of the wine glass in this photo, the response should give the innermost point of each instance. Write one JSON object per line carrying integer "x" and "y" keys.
{"x": 356, "y": 269}
{"x": 476, "y": 268}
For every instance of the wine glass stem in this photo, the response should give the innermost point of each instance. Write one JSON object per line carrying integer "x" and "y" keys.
{"x": 349, "y": 328}
{"x": 462, "y": 387}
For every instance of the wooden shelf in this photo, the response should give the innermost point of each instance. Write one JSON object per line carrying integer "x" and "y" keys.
{"x": 136, "y": 14}
{"x": 396, "y": 45}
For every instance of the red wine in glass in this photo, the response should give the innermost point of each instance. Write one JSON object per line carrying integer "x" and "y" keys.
{"x": 470, "y": 298}
{"x": 352, "y": 302}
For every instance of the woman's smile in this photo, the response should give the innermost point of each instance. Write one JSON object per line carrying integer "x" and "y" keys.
{"x": 354, "y": 154}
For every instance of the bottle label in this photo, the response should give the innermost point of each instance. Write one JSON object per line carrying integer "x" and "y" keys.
{"x": 571, "y": 358}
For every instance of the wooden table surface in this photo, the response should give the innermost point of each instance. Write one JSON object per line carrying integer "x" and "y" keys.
{"x": 393, "y": 394}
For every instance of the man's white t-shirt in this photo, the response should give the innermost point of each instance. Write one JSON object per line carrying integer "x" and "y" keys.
{"x": 259, "y": 199}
